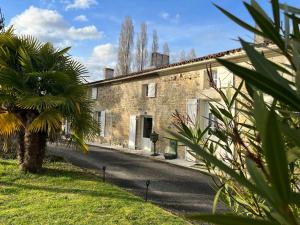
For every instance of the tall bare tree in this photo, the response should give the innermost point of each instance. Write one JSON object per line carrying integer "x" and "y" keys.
{"x": 166, "y": 49}
{"x": 125, "y": 47}
{"x": 141, "y": 52}
{"x": 154, "y": 41}
{"x": 192, "y": 54}
{"x": 2, "y": 24}
{"x": 182, "y": 56}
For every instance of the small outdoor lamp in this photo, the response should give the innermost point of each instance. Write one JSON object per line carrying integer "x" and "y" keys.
{"x": 154, "y": 139}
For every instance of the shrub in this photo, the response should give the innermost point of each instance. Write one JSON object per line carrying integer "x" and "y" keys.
{"x": 257, "y": 128}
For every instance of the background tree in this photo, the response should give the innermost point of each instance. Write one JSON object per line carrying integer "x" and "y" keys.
{"x": 141, "y": 52}
{"x": 40, "y": 88}
{"x": 154, "y": 45}
{"x": 182, "y": 56}
{"x": 2, "y": 21}
{"x": 125, "y": 47}
{"x": 192, "y": 54}
{"x": 166, "y": 49}
{"x": 154, "y": 41}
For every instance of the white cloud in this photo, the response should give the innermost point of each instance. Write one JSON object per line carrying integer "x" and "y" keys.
{"x": 102, "y": 56}
{"x": 164, "y": 15}
{"x": 49, "y": 25}
{"x": 81, "y": 18}
{"x": 167, "y": 16}
{"x": 81, "y": 4}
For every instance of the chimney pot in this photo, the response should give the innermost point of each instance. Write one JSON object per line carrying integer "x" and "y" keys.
{"x": 158, "y": 59}
{"x": 108, "y": 73}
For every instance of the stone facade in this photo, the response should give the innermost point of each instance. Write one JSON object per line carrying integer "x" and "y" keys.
{"x": 124, "y": 98}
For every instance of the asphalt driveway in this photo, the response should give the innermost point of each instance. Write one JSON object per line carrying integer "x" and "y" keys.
{"x": 174, "y": 188}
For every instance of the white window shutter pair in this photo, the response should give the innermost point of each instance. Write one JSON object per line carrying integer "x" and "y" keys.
{"x": 151, "y": 90}
{"x": 94, "y": 93}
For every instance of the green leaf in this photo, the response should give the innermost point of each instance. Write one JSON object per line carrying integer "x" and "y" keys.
{"x": 259, "y": 180}
{"x": 260, "y": 10}
{"x": 276, "y": 157}
{"x": 291, "y": 134}
{"x": 239, "y": 21}
{"x": 216, "y": 199}
{"x": 262, "y": 65}
{"x": 276, "y": 14}
{"x": 236, "y": 93}
{"x": 266, "y": 26}
{"x": 264, "y": 83}
{"x": 290, "y": 8}
{"x": 293, "y": 154}
{"x": 215, "y": 161}
{"x": 228, "y": 219}
{"x": 260, "y": 113}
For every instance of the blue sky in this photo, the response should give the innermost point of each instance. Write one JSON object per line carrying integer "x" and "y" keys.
{"x": 92, "y": 27}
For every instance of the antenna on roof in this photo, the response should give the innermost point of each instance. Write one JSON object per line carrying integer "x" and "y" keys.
{"x": 2, "y": 19}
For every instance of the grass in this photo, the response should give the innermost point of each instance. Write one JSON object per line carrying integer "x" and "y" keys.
{"x": 65, "y": 194}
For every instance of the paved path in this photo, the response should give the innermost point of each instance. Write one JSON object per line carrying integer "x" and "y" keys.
{"x": 172, "y": 187}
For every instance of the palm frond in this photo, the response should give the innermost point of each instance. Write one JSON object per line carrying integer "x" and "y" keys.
{"x": 9, "y": 124}
{"x": 47, "y": 121}
{"x": 40, "y": 103}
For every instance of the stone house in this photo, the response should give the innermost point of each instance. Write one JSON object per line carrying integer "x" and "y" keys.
{"x": 130, "y": 107}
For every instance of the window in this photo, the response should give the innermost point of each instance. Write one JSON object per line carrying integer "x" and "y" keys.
{"x": 147, "y": 128}
{"x": 215, "y": 78}
{"x": 94, "y": 93}
{"x": 145, "y": 90}
{"x": 149, "y": 90}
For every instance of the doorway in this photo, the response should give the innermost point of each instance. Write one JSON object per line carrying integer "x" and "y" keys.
{"x": 147, "y": 125}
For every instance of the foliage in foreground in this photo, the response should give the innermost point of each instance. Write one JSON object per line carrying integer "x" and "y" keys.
{"x": 64, "y": 194}
{"x": 253, "y": 150}
{"x": 40, "y": 88}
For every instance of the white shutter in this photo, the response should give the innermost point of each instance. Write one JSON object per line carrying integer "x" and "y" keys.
{"x": 94, "y": 93}
{"x": 151, "y": 90}
{"x": 192, "y": 109}
{"x": 102, "y": 124}
{"x": 132, "y": 132}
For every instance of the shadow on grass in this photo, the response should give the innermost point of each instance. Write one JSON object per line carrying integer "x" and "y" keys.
{"x": 92, "y": 193}
{"x": 7, "y": 163}
{"x": 74, "y": 175}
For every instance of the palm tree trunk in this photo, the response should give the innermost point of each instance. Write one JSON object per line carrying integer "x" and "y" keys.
{"x": 31, "y": 144}
{"x": 34, "y": 148}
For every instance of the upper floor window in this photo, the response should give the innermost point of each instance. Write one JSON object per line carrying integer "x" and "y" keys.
{"x": 215, "y": 78}
{"x": 149, "y": 90}
{"x": 94, "y": 93}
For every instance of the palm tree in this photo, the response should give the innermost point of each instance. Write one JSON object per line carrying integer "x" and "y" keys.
{"x": 40, "y": 87}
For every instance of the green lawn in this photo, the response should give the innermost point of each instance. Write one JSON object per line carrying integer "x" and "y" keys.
{"x": 64, "y": 194}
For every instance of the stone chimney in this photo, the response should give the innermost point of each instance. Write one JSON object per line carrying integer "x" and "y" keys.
{"x": 108, "y": 73}
{"x": 158, "y": 59}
